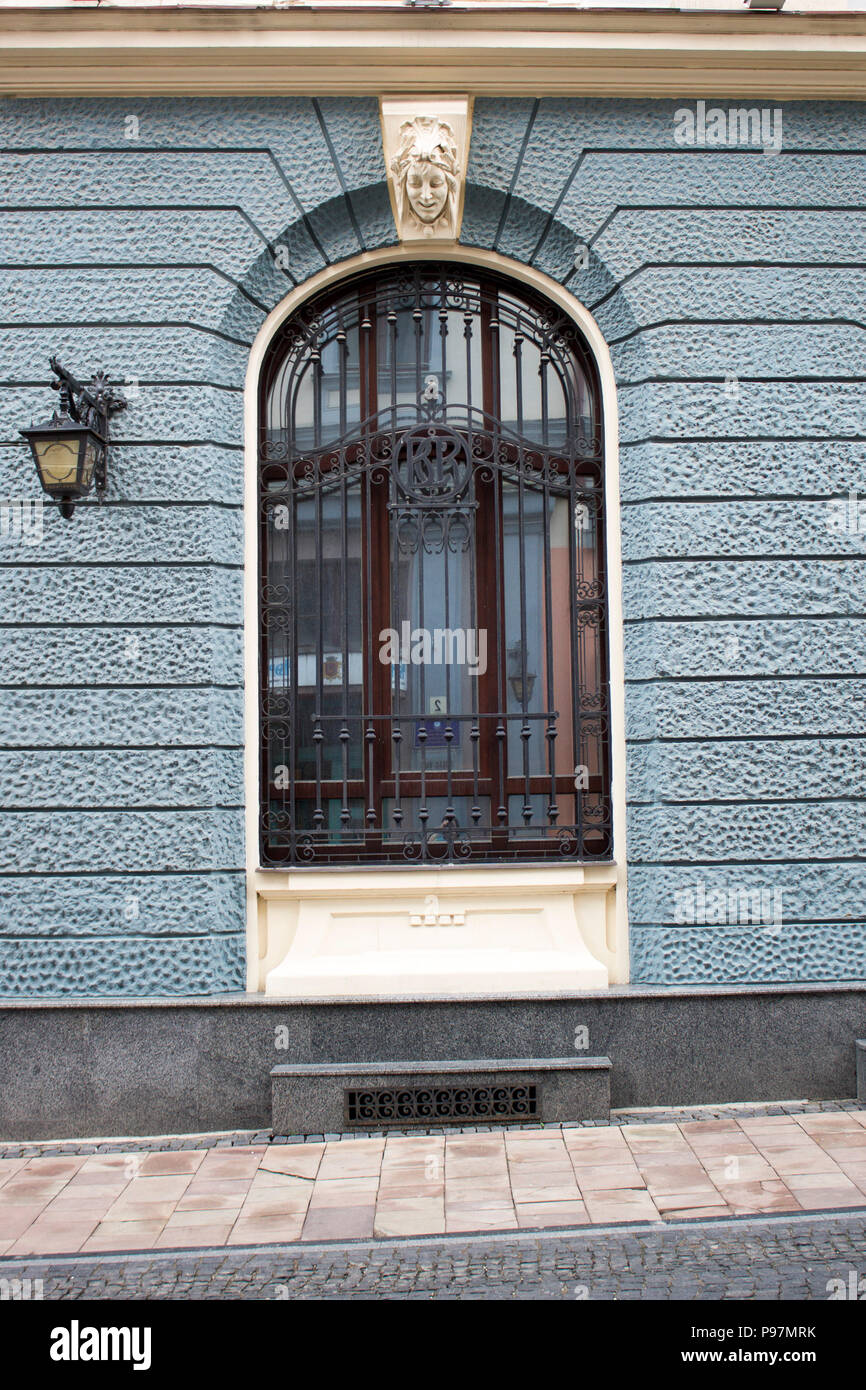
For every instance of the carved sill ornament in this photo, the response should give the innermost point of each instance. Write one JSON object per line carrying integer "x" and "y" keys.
{"x": 426, "y": 145}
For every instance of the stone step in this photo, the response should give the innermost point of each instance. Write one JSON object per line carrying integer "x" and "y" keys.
{"x": 332, "y": 1098}
{"x": 860, "y": 1050}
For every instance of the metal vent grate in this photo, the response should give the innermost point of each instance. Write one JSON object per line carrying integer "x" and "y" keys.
{"x": 417, "y": 1105}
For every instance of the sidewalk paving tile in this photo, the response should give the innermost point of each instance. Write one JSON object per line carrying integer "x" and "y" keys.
{"x": 415, "y": 1185}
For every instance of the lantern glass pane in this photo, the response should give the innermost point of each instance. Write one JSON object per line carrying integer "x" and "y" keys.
{"x": 58, "y": 462}
{"x": 92, "y": 450}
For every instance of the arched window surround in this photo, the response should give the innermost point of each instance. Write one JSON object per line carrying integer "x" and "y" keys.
{"x": 275, "y": 886}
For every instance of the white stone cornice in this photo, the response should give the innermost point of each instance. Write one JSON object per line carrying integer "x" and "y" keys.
{"x": 655, "y": 53}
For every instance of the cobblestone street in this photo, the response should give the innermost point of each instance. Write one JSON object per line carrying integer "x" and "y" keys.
{"x": 776, "y": 1258}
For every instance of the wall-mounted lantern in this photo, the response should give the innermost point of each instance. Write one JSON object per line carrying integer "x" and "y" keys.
{"x": 517, "y": 669}
{"x": 70, "y": 449}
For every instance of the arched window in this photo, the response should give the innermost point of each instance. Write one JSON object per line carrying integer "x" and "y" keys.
{"x": 432, "y": 594}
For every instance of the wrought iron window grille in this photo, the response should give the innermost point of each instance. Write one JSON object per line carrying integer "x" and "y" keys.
{"x": 431, "y": 462}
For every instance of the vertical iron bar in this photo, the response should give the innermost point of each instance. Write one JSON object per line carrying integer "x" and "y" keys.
{"x": 553, "y": 809}
{"x": 542, "y": 372}
{"x": 518, "y": 376}
{"x": 318, "y": 736}
{"x": 576, "y": 664}
{"x": 525, "y": 730}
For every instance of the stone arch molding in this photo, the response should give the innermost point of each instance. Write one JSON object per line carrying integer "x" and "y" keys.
{"x": 581, "y": 911}
{"x": 362, "y": 221}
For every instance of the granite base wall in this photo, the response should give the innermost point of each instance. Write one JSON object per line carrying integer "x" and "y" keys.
{"x": 95, "y": 1067}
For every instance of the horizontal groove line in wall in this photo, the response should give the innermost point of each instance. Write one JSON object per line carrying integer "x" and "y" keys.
{"x": 120, "y": 563}
{"x": 736, "y": 617}
{"x": 787, "y": 863}
{"x": 737, "y": 738}
{"x": 41, "y": 325}
{"x": 740, "y": 322}
{"x": 108, "y": 625}
{"x": 750, "y": 801}
{"x": 736, "y": 676}
{"x": 204, "y": 870}
{"x": 746, "y": 558}
{"x": 701, "y": 499}
{"x": 82, "y": 809}
{"x": 754, "y": 380}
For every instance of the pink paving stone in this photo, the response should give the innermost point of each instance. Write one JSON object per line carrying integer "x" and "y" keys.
{"x": 666, "y": 1184}
{"x": 501, "y": 1219}
{"x": 296, "y": 1160}
{"x": 743, "y": 1198}
{"x": 465, "y": 1166}
{"x": 192, "y": 1237}
{"x": 420, "y": 1184}
{"x": 22, "y": 1190}
{"x": 478, "y": 1202}
{"x": 77, "y": 1191}
{"x": 816, "y": 1189}
{"x": 767, "y": 1123}
{"x": 696, "y": 1214}
{"x": 607, "y": 1175}
{"x": 238, "y": 1164}
{"x": 855, "y": 1171}
{"x": 844, "y": 1141}
{"x": 522, "y": 1144}
{"x": 475, "y": 1145}
{"x": 554, "y": 1192}
{"x": 184, "y": 1220}
{"x": 404, "y": 1191}
{"x": 350, "y": 1160}
{"x": 699, "y": 1128}
{"x": 689, "y": 1201}
{"x": 53, "y": 1238}
{"x": 165, "y": 1164}
{"x": 538, "y": 1214}
{"x": 55, "y": 1167}
{"x": 10, "y": 1166}
{"x": 339, "y": 1223}
{"x": 168, "y": 1188}
{"x": 276, "y": 1203}
{"x": 594, "y": 1138}
{"x": 106, "y": 1165}
{"x": 15, "y": 1220}
{"x": 409, "y": 1224}
{"x": 397, "y": 1144}
{"x": 797, "y": 1161}
{"x": 620, "y": 1204}
{"x": 748, "y": 1168}
{"x": 477, "y": 1190}
{"x": 651, "y": 1133}
{"x": 100, "y": 1177}
{"x": 211, "y": 1201}
{"x": 344, "y": 1192}
{"x": 410, "y": 1218}
{"x": 123, "y": 1235}
{"x": 527, "y": 1136}
{"x": 140, "y": 1211}
{"x": 731, "y": 1142}
{"x": 70, "y": 1209}
{"x": 223, "y": 1187}
{"x": 268, "y": 1231}
{"x": 823, "y": 1124}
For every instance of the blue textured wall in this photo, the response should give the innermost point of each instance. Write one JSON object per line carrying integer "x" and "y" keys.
{"x": 120, "y": 758}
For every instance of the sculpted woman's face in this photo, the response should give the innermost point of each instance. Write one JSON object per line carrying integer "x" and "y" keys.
{"x": 427, "y": 190}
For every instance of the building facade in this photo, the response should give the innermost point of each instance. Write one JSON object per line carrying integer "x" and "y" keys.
{"x": 672, "y": 530}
